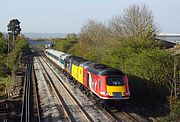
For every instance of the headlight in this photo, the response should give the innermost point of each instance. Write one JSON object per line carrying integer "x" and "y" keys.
{"x": 105, "y": 93}
{"x": 108, "y": 93}
{"x": 126, "y": 93}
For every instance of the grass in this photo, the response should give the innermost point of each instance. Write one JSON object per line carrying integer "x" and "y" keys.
{"x": 3, "y": 81}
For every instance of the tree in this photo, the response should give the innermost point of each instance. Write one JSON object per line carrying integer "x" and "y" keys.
{"x": 3, "y": 44}
{"x": 14, "y": 29}
{"x": 137, "y": 22}
{"x": 94, "y": 31}
{"x": 94, "y": 37}
{"x": 72, "y": 37}
{"x": 3, "y": 51}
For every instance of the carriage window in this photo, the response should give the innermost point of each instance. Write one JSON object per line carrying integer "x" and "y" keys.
{"x": 115, "y": 81}
{"x": 61, "y": 61}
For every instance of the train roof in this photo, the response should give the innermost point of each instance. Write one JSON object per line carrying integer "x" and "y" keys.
{"x": 64, "y": 56}
{"x": 111, "y": 71}
{"x": 89, "y": 64}
{"x": 55, "y": 52}
{"x": 85, "y": 63}
{"x": 101, "y": 69}
{"x": 73, "y": 58}
{"x": 79, "y": 61}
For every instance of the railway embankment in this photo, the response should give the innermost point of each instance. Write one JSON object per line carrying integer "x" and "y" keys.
{"x": 11, "y": 104}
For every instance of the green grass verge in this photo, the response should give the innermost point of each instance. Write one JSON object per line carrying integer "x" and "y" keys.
{"x": 3, "y": 81}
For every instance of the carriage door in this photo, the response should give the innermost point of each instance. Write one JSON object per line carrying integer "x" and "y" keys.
{"x": 87, "y": 80}
{"x": 100, "y": 84}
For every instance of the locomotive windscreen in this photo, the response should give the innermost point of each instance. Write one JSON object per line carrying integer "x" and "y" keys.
{"x": 115, "y": 81}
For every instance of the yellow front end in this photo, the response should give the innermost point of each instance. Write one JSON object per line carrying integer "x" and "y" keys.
{"x": 116, "y": 91}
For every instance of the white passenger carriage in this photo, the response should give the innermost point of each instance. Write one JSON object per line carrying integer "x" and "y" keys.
{"x": 54, "y": 55}
{"x": 57, "y": 57}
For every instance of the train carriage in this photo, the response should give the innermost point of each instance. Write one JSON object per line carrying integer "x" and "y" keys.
{"x": 86, "y": 77}
{"x": 82, "y": 72}
{"x": 69, "y": 61}
{"x": 54, "y": 55}
{"x": 75, "y": 67}
{"x": 62, "y": 60}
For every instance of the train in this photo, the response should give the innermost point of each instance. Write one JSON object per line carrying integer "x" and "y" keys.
{"x": 100, "y": 81}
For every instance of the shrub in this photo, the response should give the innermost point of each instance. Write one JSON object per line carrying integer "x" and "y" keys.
{"x": 63, "y": 45}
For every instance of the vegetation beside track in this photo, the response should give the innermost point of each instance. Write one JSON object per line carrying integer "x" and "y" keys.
{"x": 10, "y": 61}
{"x": 65, "y": 44}
{"x": 3, "y": 82}
{"x": 13, "y": 59}
{"x": 3, "y": 55}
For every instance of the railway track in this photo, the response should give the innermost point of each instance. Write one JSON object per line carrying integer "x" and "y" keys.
{"x": 119, "y": 115}
{"x": 73, "y": 110}
{"x": 129, "y": 117}
{"x": 30, "y": 102}
{"x": 37, "y": 116}
{"x": 50, "y": 109}
{"x": 25, "y": 113}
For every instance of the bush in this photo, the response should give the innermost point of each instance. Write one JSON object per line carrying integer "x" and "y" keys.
{"x": 175, "y": 112}
{"x": 175, "y": 109}
{"x": 62, "y": 45}
{"x": 85, "y": 52}
{"x": 149, "y": 69}
{"x": 3, "y": 53}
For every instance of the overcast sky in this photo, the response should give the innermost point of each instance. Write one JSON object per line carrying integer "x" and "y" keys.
{"x": 67, "y": 16}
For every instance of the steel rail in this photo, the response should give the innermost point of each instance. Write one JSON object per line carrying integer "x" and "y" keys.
{"x": 23, "y": 99}
{"x": 36, "y": 94}
{"x": 111, "y": 115}
{"x": 25, "y": 113}
{"x": 130, "y": 117}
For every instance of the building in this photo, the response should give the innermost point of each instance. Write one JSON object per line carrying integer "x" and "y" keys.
{"x": 168, "y": 40}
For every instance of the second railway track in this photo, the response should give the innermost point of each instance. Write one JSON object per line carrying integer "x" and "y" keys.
{"x": 72, "y": 107}
{"x": 25, "y": 113}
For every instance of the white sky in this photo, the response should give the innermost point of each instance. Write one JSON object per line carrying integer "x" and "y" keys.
{"x": 66, "y": 16}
